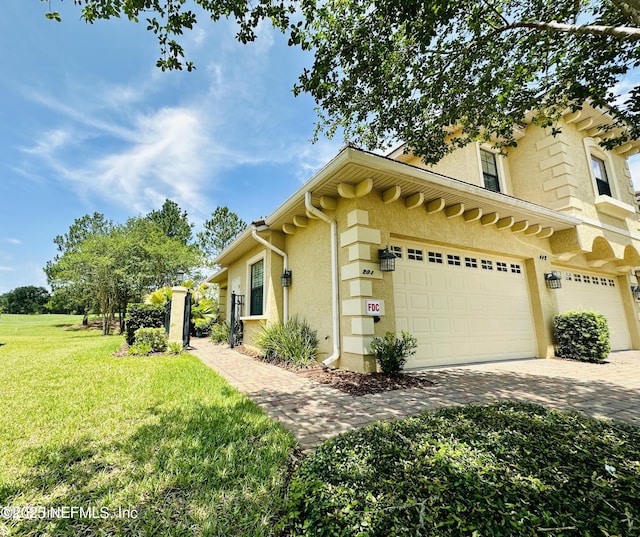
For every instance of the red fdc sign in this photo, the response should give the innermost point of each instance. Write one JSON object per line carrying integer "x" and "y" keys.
{"x": 373, "y": 307}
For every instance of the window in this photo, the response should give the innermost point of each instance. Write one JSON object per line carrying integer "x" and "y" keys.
{"x": 612, "y": 283}
{"x": 586, "y": 279}
{"x": 516, "y": 269}
{"x": 257, "y": 287}
{"x": 600, "y": 173}
{"x": 471, "y": 262}
{"x": 486, "y": 264}
{"x": 501, "y": 267}
{"x": 489, "y": 170}
{"x": 577, "y": 278}
{"x": 414, "y": 254}
{"x": 453, "y": 260}
{"x": 396, "y": 250}
{"x": 435, "y": 257}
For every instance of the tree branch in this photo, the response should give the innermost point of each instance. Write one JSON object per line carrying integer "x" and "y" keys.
{"x": 621, "y": 32}
{"x": 631, "y": 12}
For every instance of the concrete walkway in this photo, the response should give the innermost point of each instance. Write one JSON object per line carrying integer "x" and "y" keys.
{"x": 315, "y": 412}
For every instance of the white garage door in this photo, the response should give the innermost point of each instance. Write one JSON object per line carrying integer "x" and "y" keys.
{"x": 462, "y": 306}
{"x": 597, "y": 292}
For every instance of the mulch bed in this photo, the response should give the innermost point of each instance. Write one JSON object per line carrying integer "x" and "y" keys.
{"x": 356, "y": 384}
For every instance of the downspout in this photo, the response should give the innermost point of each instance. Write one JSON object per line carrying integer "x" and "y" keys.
{"x": 334, "y": 275}
{"x": 285, "y": 262}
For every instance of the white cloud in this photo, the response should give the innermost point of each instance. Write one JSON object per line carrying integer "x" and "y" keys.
{"x": 6, "y": 269}
{"x": 13, "y": 241}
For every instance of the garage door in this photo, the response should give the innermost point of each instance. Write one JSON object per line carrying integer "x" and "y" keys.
{"x": 462, "y": 306}
{"x": 598, "y": 292}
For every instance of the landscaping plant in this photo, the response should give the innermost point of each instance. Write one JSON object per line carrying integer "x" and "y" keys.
{"x": 392, "y": 352}
{"x": 500, "y": 470}
{"x": 143, "y": 316}
{"x": 220, "y": 332}
{"x": 293, "y": 342}
{"x": 582, "y": 335}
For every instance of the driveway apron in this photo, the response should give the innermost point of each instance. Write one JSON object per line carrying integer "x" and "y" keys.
{"x": 315, "y": 412}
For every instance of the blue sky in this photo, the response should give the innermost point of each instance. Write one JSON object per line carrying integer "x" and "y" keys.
{"x": 88, "y": 123}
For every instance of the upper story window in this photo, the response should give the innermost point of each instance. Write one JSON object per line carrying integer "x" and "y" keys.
{"x": 600, "y": 173}
{"x": 489, "y": 170}
{"x": 257, "y": 288}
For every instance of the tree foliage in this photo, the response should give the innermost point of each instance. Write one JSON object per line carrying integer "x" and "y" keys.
{"x": 435, "y": 74}
{"x": 26, "y": 300}
{"x": 220, "y": 231}
{"x": 441, "y": 73}
{"x": 173, "y": 222}
{"x": 116, "y": 265}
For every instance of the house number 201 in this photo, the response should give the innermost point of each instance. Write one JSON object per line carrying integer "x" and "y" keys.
{"x": 367, "y": 271}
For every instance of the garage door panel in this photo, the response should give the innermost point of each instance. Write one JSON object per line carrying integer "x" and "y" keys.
{"x": 579, "y": 292}
{"x": 462, "y": 313}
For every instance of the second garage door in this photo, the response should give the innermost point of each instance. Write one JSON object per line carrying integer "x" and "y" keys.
{"x": 462, "y": 306}
{"x": 597, "y": 292}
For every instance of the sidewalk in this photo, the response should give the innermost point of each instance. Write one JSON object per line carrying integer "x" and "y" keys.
{"x": 314, "y": 412}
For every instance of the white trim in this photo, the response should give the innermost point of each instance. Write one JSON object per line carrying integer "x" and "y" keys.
{"x": 499, "y": 159}
{"x": 592, "y": 149}
{"x": 250, "y": 262}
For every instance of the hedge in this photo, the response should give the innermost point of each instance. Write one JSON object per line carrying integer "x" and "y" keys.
{"x": 582, "y": 335}
{"x": 143, "y": 316}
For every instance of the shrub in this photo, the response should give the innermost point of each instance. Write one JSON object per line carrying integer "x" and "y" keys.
{"x": 143, "y": 316}
{"x": 140, "y": 349}
{"x": 202, "y": 327}
{"x": 220, "y": 332}
{"x": 174, "y": 347}
{"x": 505, "y": 470}
{"x": 391, "y": 352}
{"x": 582, "y": 335}
{"x": 156, "y": 338}
{"x": 293, "y": 342}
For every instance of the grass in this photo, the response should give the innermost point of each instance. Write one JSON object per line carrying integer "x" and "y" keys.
{"x": 153, "y": 445}
{"x": 506, "y": 469}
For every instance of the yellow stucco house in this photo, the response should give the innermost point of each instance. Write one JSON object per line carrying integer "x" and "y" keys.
{"x": 480, "y": 244}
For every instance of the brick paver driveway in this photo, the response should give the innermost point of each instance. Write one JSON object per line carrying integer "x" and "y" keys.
{"x": 314, "y": 412}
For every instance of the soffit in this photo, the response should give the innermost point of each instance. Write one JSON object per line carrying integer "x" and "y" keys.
{"x": 386, "y": 174}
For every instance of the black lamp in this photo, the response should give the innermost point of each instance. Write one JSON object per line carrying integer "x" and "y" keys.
{"x": 553, "y": 279}
{"x": 285, "y": 279}
{"x": 635, "y": 289}
{"x": 387, "y": 260}
{"x": 180, "y": 277}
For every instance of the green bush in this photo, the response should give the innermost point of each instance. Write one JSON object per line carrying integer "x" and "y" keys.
{"x": 156, "y": 338}
{"x": 174, "y": 347}
{"x": 501, "y": 470}
{"x": 392, "y": 352}
{"x": 142, "y": 316}
{"x": 582, "y": 335}
{"x": 220, "y": 332}
{"x": 293, "y": 342}
{"x": 140, "y": 349}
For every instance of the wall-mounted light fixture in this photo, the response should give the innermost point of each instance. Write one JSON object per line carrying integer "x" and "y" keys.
{"x": 635, "y": 289}
{"x": 285, "y": 279}
{"x": 387, "y": 260}
{"x": 553, "y": 279}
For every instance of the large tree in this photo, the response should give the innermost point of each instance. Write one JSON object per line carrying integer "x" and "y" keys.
{"x": 440, "y": 73}
{"x": 437, "y": 73}
{"x": 173, "y": 221}
{"x": 28, "y": 300}
{"x": 114, "y": 266}
{"x": 219, "y": 231}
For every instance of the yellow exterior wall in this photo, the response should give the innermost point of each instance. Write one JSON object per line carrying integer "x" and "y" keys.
{"x": 310, "y": 292}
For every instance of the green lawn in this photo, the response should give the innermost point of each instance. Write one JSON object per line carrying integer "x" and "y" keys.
{"x": 143, "y": 446}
